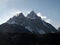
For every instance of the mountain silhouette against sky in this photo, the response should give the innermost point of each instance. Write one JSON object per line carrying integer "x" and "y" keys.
{"x": 33, "y": 23}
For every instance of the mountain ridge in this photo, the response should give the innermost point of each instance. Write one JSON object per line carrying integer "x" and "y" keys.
{"x": 33, "y": 23}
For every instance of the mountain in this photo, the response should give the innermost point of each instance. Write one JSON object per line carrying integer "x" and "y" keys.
{"x": 33, "y": 23}
{"x": 58, "y": 28}
{"x": 13, "y": 28}
{"x": 32, "y": 15}
{"x": 15, "y": 20}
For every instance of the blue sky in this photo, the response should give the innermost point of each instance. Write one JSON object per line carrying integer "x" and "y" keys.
{"x": 48, "y": 8}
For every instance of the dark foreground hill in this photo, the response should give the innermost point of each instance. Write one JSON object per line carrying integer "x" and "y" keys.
{"x": 29, "y": 39}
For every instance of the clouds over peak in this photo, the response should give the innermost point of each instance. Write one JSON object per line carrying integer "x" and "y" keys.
{"x": 44, "y": 18}
{"x": 40, "y": 15}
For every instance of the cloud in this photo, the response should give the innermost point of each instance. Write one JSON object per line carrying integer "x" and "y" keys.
{"x": 48, "y": 20}
{"x": 40, "y": 15}
{"x": 14, "y": 12}
{"x": 44, "y": 18}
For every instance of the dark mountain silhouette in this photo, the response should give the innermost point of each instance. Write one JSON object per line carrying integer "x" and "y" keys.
{"x": 13, "y": 28}
{"x": 58, "y": 28}
{"x": 8, "y": 38}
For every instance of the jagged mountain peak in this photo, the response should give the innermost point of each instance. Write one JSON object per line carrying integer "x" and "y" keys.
{"x": 32, "y": 12}
{"x": 16, "y": 19}
{"x": 21, "y": 15}
{"x": 32, "y": 15}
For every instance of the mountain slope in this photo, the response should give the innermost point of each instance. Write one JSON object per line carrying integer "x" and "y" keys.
{"x": 12, "y": 28}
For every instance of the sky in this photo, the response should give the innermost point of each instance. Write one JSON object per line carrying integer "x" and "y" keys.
{"x": 49, "y": 10}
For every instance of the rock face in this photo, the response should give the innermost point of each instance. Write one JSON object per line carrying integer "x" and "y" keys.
{"x": 32, "y": 15}
{"x": 33, "y": 23}
{"x": 13, "y": 28}
{"x": 59, "y": 29}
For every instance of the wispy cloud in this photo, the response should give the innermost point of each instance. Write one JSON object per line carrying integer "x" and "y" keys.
{"x": 48, "y": 20}
{"x": 44, "y": 18}
{"x": 14, "y": 12}
{"x": 40, "y": 15}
